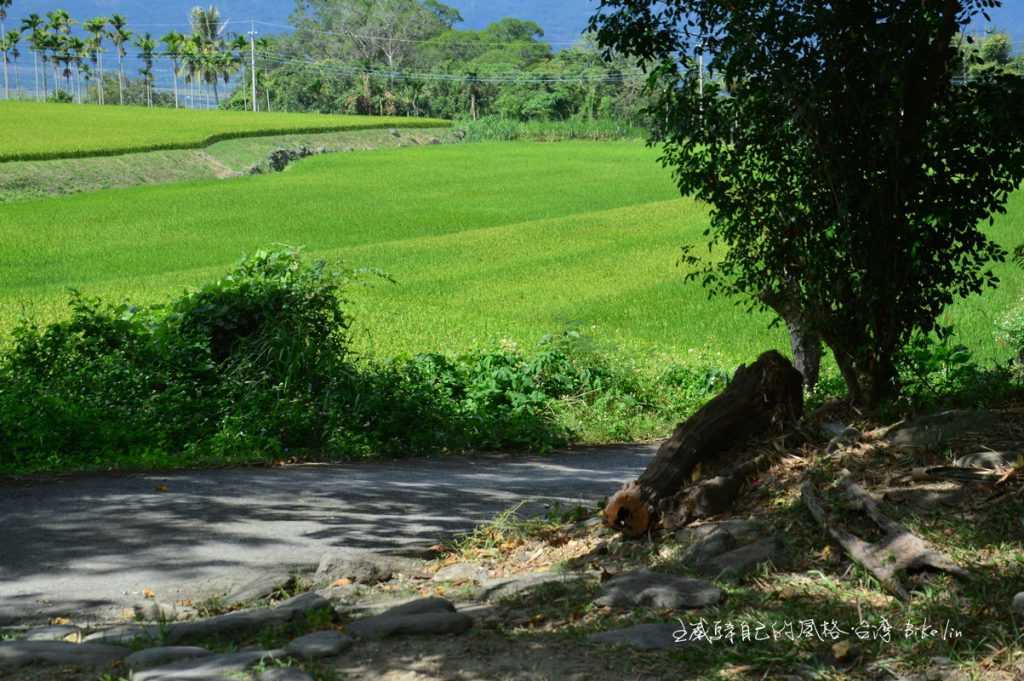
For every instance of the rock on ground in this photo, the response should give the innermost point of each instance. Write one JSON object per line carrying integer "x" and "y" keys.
{"x": 461, "y": 572}
{"x": 425, "y": 617}
{"x": 640, "y": 636}
{"x": 658, "y": 590}
{"x": 284, "y": 674}
{"x": 54, "y": 633}
{"x": 156, "y": 657}
{"x": 1018, "y": 606}
{"x": 261, "y": 587}
{"x": 231, "y": 624}
{"x": 364, "y": 567}
{"x": 210, "y": 668}
{"x": 933, "y": 431}
{"x": 319, "y": 644}
{"x": 506, "y": 587}
{"x": 16, "y": 654}
{"x": 739, "y": 562}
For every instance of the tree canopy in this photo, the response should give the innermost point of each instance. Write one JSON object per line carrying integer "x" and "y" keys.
{"x": 846, "y": 168}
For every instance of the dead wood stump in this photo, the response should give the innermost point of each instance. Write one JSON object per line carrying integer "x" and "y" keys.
{"x": 762, "y": 397}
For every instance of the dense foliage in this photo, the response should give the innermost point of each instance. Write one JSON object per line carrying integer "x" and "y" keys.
{"x": 408, "y": 57}
{"x": 256, "y": 367}
{"x": 846, "y": 165}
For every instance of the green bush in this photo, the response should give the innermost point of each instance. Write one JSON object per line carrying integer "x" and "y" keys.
{"x": 256, "y": 366}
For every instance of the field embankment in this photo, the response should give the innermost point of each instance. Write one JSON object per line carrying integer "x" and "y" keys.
{"x": 34, "y": 131}
{"x": 22, "y": 180}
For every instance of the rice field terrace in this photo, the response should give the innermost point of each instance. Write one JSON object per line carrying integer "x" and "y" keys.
{"x": 33, "y": 131}
{"x": 484, "y": 242}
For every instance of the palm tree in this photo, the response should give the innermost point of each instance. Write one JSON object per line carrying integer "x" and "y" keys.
{"x": 205, "y": 24}
{"x": 225, "y": 65}
{"x": 4, "y": 6}
{"x": 97, "y": 28}
{"x": 173, "y": 41}
{"x": 77, "y": 52}
{"x": 33, "y": 25}
{"x": 240, "y": 49}
{"x": 147, "y": 47}
{"x": 59, "y": 24}
{"x": 120, "y": 35}
{"x": 191, "y": 55}
{"x": 9, "y": 50}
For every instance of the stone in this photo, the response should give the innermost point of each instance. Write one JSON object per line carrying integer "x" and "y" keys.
{"x": 151, "y": 611}
{"x": 507, "y": 587}
{"x": 157, "y": 657}
{"x": 1018, "y": 606}
{"x": 15, "y": 654}
{"x": 461, "y": 572}
{"x": 54, "y": 633}
{"x": 421, "y": 606}
{"x": 934, "y": 431}
{"x": 423, "y": 624}
{"x": 742, "y": 531}
{"x": 209, "y": 668}
{"x": 319, "y": 644}
{"x": 127, "y": 633}
{"x": 363, "y": 567}
{"x": 284, "y": 674}
{"x": 737, "y": 563}
{"x": 988, "y": 460}
{"x": 841, "y": 436}
{"x": 646, "y": 588}
{"x": 260, "y": 587}
{"x": 230, "y": 624}
{"x": 640, "y": 636}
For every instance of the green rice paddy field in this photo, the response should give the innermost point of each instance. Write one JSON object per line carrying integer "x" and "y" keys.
{"x": 485, "y": 242}
{"x": 34, "y": 131}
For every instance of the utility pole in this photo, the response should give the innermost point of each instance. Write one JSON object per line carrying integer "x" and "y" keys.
{"x": 252, "y": 53}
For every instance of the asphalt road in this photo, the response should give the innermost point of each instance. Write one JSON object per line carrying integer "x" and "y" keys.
{"x": 88, "y": 547}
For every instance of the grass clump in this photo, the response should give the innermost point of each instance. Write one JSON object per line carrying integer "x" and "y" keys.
{"x": 255, "y": 367}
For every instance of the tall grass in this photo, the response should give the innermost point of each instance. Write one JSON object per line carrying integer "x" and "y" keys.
{"x": 497, "y": 129}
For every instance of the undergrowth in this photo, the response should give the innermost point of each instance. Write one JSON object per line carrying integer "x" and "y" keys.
{"x": 498, "y": 129}
{"x": 255, "y": 368}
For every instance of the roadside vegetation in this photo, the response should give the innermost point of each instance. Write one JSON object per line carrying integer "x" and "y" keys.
{"x": 31, "y": 131}
{"x": 518, "y": 241}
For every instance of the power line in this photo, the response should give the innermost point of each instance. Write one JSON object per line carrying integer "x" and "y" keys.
{"x": 507, "y": 77}
{"x": 466, "y": 43}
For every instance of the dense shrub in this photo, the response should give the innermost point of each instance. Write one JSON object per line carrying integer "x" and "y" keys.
{"x": 256, "y": 367}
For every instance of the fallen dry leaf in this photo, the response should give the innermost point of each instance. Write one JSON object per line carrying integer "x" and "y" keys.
{"x": 163, "y": 488}
{"x": 148, "y": 593}
{"x": 344, "y": 581}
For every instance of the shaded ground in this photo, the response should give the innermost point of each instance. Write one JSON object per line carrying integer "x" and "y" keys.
{"x": 91, "y": 545}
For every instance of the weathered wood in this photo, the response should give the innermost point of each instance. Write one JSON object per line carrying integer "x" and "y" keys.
{"x": 761, "y": 397}
{"x": 898, "y": 550}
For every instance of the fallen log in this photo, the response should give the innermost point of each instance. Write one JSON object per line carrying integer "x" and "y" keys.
{"x": 763, "y": 397}
{"x": 898, "y": 550}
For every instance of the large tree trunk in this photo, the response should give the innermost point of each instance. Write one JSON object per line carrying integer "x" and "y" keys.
{"x": 765, "y": 396}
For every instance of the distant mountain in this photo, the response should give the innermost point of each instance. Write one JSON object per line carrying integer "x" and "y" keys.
{"x": 562, "y": 20}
